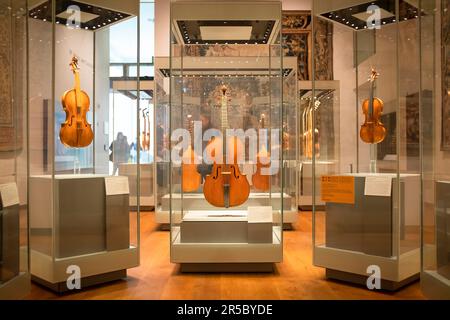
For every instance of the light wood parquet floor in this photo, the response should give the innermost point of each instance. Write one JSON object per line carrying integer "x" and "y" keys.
{"x": 294, "y": 278}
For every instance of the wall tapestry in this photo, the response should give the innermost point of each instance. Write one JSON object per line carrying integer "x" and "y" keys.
{"x": 297, "y": 38}
{"x": 12, "y": 80}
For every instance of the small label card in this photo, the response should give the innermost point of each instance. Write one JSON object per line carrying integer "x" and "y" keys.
{"x": 378, "y": 186}
{"x": 260, "y": 214}
{"x": 116, "y": 185}
{"x": 9, "y": 195}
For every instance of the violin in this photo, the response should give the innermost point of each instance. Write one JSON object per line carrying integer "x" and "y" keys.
{"x": 372, "y": 130}
{"x": 260, "y": 181}
{"x": 226, "y": 186}
{"x": 145, "y": 135}
{"x": 76, "y": 132}
{"x": 191, "y": 179}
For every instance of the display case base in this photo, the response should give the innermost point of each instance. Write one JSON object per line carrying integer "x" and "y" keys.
{"x": 226, "y": 267}
{"x": 163, "y": 218}
{"x": 387, "y": 285}
{"x": 17, "y": 288}
{"x": 61, "y": 287}
{"x": 434, "y": 286}
{"x": 310, "y": 208}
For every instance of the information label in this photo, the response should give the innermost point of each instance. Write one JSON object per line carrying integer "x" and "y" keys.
{"x": 338, "y": 189}
{"x": 378, "y": 186}
{"x": 9, "y": 195}
{"x": 116, "y": 185}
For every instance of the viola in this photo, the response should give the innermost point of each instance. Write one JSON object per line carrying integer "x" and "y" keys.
{"x": 226, "y": 186}
{"x": 260, "y": 181}
{"x": 372, "y": 130}
{"x": 76, "y": 132}
{"x": 145, "y": 135}
{"x": 190, "y": 178}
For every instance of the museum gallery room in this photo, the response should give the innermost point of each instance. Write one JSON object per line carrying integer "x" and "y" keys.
{"x": 225, "y": 150}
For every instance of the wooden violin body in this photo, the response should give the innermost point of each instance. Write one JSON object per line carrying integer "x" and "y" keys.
{"x": 372, "y": 130}
{"x": 76, "y": 132}
{"x": 226, "y": 186}
{"x": 191, "y": 179}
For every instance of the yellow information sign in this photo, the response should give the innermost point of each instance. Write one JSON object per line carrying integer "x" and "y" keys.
{"x": 338, "y": 189}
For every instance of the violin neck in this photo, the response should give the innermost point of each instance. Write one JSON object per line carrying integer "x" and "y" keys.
{"x": 77, "y": 86}
{"x": 224, "y": 109}
{"x": 372, "y": 88}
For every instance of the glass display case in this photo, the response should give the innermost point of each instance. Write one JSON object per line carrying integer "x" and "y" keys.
{"x": 14, "y": 265}
{"x": 435, "y": 106}
{"x": 369, "y": 229}
{"x": 291, "y": 142}
{"x": 226, "y": 197}
{"x": 327, "y": 147}
{"x": 83, "y": 125}
{"x": 162, "y": 138}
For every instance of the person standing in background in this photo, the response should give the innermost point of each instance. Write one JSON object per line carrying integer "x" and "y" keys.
{"x": 120, "y": 151}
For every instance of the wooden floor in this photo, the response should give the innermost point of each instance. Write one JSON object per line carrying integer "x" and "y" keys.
{"x": 295, "y": 278}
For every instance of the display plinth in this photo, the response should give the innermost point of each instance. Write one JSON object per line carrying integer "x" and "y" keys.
{"x": 14, "y": 276}
{"x": 366, "y": 234}
{"x": 305, "y": 198}
{"x": 146, "y": 200}
{"x": 196, "y": 201}
{"x": 93, "y": 234}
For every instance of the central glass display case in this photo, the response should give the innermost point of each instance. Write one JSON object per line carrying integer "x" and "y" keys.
{"x": 83, "y": 125}
{"x": 290, "y": 136}
{"x": 367, "y": 214}
{"x": 226, "y": 137}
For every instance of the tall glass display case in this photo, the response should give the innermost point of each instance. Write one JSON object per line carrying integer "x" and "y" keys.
{"x": 290, "y": 141}
{"x": 82, "y": 229}
{"x": 369, "y": 230}
{"x": 14, "y": 270}
{"x": 226, "y": 196}
{"x": 435, "y": 106}
{"x": 327, "y": 147}
{"x": 162, "y": 138}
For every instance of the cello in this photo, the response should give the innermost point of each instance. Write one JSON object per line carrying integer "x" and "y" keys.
{"x": 191, "y": 179}
{"x": 372, "y": 130}
{"x": 226, "y": 186}
{"x": 260, "y": 181}
{"x": 76, "y": 132}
